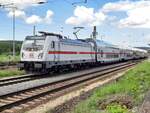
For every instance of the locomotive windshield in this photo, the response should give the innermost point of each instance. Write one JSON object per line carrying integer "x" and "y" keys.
{"x": 35, "y": 43}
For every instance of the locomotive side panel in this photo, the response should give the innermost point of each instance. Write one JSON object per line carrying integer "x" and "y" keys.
{"x": 66, "y": 51}
{"x": 75, "y": 52}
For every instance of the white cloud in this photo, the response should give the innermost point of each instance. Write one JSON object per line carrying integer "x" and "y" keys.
{"x": 73, "y": 21}
{"x": 137, "y": 18}
{"x": 48, "y": 17}
{"x": 138, "y": 15}
{"x": 18, "y": 14}
{"x": 117, "y": 6}
{"x": 33, "y": 19}
{"x": 124, "y": 5}
{"x": 86, "y": 16}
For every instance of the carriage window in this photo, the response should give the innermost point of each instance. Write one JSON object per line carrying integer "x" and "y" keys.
{"x": 53, "y": 44}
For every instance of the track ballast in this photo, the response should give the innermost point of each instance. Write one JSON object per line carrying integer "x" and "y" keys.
{"x": 49, "y": 91}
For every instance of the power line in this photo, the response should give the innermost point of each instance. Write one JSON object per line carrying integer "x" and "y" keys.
{"x": 85, "y": 1}
{"x": 74, "y": 3}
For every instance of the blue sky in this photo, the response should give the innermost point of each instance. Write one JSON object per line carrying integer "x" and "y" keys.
{"x": 118, "y": 22}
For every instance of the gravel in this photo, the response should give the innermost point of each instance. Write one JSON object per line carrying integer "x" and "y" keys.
{"x": 29, "y": 84}
{"x": 69, "y": 105}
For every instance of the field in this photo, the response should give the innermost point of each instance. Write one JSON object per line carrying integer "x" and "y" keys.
{"x": 132, "y": 86}
{"x": 6, "y": 51}
{"x": 9, "y": 58}
{"x": 6, "y": 47}
{"x": 10, "y": 72}
{"x": 6, "y": 58}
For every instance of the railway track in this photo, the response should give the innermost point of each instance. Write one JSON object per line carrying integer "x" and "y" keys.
{"x": 22, "y": 78}
{"x": 19, "y": 79}
{"x": 22, "y": 99}
{"x": 8, "y": 65}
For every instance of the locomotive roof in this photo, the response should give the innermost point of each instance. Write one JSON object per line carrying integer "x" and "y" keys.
{"x": 74, "y": 41}
{"x": 102, "y": 43}
{"x": 50, "y": 34}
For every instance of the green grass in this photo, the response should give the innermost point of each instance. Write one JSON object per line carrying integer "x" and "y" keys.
{"x": 9, "y": 58}
{"x": 135, "y": 83}
{"x": 116, "y": 108}
{"x": 10, "y": 72}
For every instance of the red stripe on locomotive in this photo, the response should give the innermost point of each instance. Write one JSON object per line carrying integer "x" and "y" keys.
{"x": 73, "y": 52}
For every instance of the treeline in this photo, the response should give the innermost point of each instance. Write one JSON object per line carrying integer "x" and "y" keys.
{"x": 6, "y": 47}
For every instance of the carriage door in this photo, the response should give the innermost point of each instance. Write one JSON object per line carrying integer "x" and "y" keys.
{"x": 53, "y": 51}
{"x": 55, "y": 48}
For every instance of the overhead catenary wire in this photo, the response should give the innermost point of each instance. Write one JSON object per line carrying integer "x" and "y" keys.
{"x": 85, "y": 1}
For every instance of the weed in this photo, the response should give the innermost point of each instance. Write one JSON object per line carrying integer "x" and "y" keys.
{"x": 7, "y": 72}
{"x": 116, "y": 108}
{"x": 134, "y": 83}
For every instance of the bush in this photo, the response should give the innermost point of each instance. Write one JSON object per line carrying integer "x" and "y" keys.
{"x": 6, "y": 47}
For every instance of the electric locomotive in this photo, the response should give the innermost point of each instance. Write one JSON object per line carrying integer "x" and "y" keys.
{"x": 51, "y": 51}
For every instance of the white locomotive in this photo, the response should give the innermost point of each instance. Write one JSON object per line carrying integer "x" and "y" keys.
{"x": 50, "y": 51}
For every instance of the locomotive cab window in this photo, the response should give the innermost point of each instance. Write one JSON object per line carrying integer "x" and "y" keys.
{"x": 53, "y": 44}
{"x": 34, "y": 43}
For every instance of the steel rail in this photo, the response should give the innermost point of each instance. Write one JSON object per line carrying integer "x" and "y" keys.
{"x": 18, "y": 79}
{"x": 40, "y": 91}
{"x": 82, "y": 73}
{"x": 29, "y": 77}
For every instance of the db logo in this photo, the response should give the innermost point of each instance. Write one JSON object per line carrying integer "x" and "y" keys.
{"x": 31, "y": 55}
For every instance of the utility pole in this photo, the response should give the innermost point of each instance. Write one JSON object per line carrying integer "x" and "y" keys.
{"x": 13, "y": 8}
{"x": 14, "y": 32}
{"x": 62, "y": 31}
{"x": 94, "y": 33}
{"x": 34, "y": 30}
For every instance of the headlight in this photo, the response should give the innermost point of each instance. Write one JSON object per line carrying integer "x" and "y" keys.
{"x": 40, "y": 55}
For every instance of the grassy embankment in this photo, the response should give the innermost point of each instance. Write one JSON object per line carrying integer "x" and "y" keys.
{"x": 6, "y": 58}
{"x": 10, "y": 72}
{"x": 9, "y": 58}
{"x": 6, "y": 51}
{"x": 134, "y": 84}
